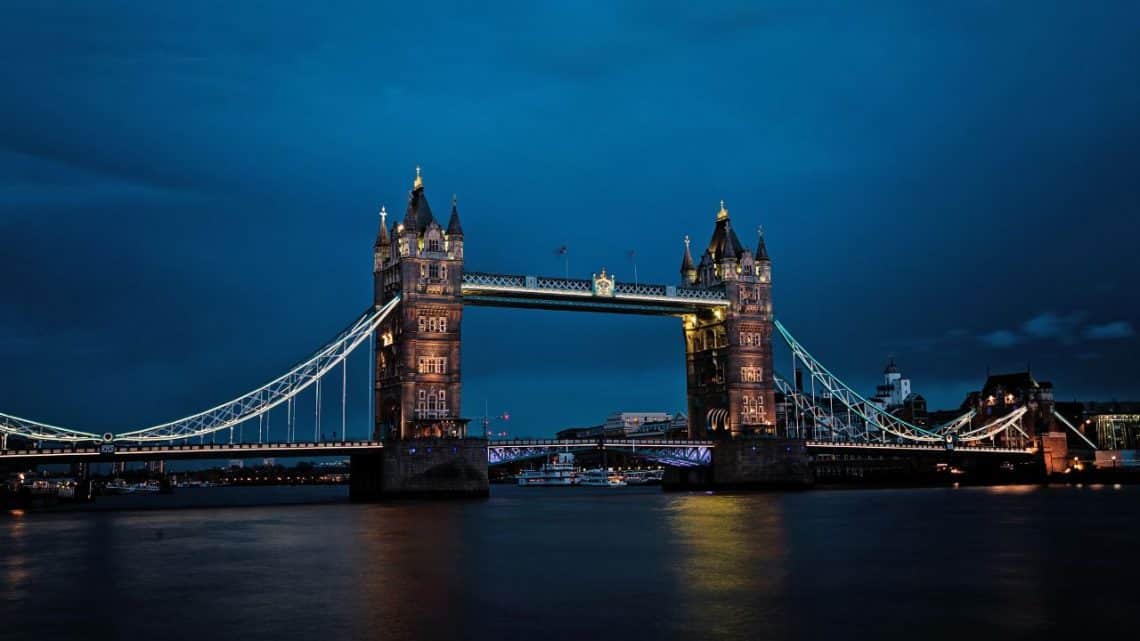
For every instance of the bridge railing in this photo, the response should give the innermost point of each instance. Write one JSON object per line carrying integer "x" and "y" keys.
{"x": 586, "y": 286}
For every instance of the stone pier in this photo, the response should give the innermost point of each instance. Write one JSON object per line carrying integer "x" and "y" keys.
{"x": 424, "y": 468}
{"x": 749, "y": 463}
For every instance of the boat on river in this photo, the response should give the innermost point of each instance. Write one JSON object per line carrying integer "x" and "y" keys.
{"x": 558, "y": 472}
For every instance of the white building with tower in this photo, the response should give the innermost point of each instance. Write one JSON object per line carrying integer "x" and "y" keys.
{"x": 894, "y": 389}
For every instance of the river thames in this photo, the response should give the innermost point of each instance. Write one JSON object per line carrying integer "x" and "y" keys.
{"x": 579, "y": 563}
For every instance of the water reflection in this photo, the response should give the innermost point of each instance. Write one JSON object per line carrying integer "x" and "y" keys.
{"x": 731, "y": 565}
{"x": 582, "y": 564}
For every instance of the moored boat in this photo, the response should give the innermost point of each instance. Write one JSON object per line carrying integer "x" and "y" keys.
{"x": 599, "y": 477}
{"x": 560, "y": 471}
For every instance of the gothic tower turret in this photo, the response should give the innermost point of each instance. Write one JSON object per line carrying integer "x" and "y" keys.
{"x": 688, "y": 270}
{"x": 417, "y": 353}
{"x": 728, "y": 350}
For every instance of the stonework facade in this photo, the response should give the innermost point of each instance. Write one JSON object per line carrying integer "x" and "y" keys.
{"x": 417, "y": 382}
{"x": 728, "y": 353}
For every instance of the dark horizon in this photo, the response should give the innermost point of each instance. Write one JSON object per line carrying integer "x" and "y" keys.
{"x": 189, "y": 194}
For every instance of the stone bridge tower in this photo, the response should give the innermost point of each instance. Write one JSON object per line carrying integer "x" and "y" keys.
{"x": 728, "y": 354}
{"x": 417, "y": 385}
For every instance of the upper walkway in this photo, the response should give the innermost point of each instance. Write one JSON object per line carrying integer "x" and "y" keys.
{"x": 583, "y": 294}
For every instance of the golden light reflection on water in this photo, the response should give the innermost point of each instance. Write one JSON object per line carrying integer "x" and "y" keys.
{"x": 15, "y": 559}
{"x": 1012, "y": 489}
{"x": 721, "y": 540}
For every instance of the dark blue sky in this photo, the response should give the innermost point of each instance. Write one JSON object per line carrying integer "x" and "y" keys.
{"x": 188, "y": 192}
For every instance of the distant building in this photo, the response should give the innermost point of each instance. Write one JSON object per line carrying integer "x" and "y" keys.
{"x": 1004, "y": 393}
{"x": 632, "y": 425}
{"x": 913, "y": 410}
{"x": 894, "y": 395}
{"x": 1116, "y": 425}
{"x": 630, "y": 422}
{"x": 676, "y": 426}
{"x": 236, "y": 462}
{"x": 894, "y": 389}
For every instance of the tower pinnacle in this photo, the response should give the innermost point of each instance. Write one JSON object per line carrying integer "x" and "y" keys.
{"x": 419, "y": 182}
{"x": 723, "y": 213}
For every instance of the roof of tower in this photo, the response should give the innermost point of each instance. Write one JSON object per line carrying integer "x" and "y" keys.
{"x": 761, "y": 247}
{"x": 382, "y": 235}
{"x": 731, "y": 250}
{"x": 419, "y": 212}
{"x": 723, "y": 236}
{"x": 891, "y": 368}
{"x": 453, "y": 226}
{"x": 687, "y": 261}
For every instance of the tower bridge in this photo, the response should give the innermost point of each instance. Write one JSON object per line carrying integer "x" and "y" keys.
{"x": 746, "y": 423}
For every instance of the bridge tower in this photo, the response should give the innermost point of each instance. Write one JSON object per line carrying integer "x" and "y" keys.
{"x": 417, "y": 386}
{"x": 728, "y": 352}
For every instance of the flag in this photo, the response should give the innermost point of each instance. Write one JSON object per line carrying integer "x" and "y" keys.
{"x": 562, "y": 251}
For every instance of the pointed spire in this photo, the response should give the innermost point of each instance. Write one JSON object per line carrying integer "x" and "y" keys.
{"x": 453, "y": 226}
{"x": 687, "y": 261}
{"x": 418, "y": 215}
{"x": 723, "y": 213}
{"x": 761, "y": 248}
{"x": 729, "y": 247}
{"x": 382, "y": 236}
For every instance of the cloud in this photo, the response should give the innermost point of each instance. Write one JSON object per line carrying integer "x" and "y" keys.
{"x": 1064, "y": 329}
{"x": 1050, "y": 325}
{"x": 1001, "y": 338}
{"x": 1108, "y": 331}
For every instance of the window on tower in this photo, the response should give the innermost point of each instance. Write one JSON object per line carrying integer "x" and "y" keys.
{"x": 432, "y": 365}
{"x": 432, "y": 324}
{"x": 752, "y": 409}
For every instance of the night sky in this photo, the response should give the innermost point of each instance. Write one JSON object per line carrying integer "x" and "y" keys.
{"x": 189, "y": 191}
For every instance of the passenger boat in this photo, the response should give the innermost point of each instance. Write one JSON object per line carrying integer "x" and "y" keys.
{"x": 599, "y": 477}
{"x": 643, "y": 477}
{"x": 560, "y": 471}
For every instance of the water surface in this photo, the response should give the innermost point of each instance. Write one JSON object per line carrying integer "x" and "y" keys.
{"x": 580, "y": 563}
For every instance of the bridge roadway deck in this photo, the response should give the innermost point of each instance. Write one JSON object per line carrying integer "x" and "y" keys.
{"x": 191, "y": 451}
{"x": 342, "y": 448}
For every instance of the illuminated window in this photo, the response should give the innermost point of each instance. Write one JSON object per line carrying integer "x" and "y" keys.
{"x": 433, "y": 245}
{"x": 433, "y": 324}
{"x": 753, "y": 409}
{"x": 750, "y": 374}
{"x": 433, "y": 271}
{"x": 432, "y": 365}
{"x": 443, "y": 271}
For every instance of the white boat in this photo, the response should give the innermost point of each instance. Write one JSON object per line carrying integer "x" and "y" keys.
{"x": 598, "y": 477}
{"x": 643, "y": 477}
{"x": 558, "y": 472}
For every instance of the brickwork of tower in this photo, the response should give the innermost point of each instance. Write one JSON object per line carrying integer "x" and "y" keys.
{"x": 728, "y": 351}
{"x": 417, "y": 382}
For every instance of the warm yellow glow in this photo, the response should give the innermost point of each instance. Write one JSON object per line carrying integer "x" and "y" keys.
{"x": 419, "y": 182}
{"x": 723, "y": 213}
